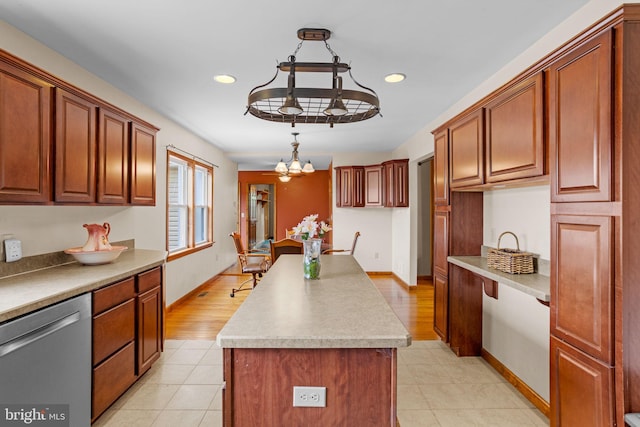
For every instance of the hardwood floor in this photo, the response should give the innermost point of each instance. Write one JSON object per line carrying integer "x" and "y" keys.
{"x": 202, "y": 315}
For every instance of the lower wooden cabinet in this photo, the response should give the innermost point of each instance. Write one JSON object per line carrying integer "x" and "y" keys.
{"x": 441, "y": 306}
{"x": 127, "y": 335}
{"x": 582, "y": 391}
{"x": 149, "y": 307}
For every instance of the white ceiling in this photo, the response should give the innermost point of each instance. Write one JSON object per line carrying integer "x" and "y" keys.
{"x": 165, "y": 53}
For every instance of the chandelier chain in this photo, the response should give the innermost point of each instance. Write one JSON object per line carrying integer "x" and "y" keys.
{"x": 335, "y": 55}
{"x": 295, "y": 52}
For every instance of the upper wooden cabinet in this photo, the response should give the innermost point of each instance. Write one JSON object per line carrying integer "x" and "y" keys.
{"x": 373, "y": 184}
{"x": 113, "y": 157}
{"x": 441, "y": 168}
{"x": 396, "y": 183}
{"x": 383, "y": 185}
{"x": 143, "y": 162}
{"x": 466, "y": 151}
{"x": 75, "y": 148}
{"x": 580, "y": 120}
{"x": 514, "y": 133}
{"x": 349, "y": 186}
{"x": 59, "y": 144}
{"x": 25, "y": 139}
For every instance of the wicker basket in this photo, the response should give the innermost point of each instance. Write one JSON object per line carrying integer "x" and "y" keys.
{"x": 512, "y": 261}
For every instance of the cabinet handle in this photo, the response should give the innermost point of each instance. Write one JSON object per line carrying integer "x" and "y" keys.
{"x": 38, "y": 333}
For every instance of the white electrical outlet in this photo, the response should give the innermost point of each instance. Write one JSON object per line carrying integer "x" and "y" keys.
{"x": 12, "y": 250}
{"x": 310, "y": 396}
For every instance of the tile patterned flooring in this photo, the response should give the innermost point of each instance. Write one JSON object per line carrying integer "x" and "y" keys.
{"x": 435, "y": 388}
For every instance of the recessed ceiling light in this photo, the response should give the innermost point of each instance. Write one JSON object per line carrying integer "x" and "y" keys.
{"x": 394, "y": 77}
{"x": 224, "y": 78}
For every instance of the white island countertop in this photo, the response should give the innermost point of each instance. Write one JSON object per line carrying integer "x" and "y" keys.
{"x": 27, "y": 292}
{"x": 342, "y": 309}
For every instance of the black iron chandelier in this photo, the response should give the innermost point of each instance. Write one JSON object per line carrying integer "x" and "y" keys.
{"x": 313, "y": 105}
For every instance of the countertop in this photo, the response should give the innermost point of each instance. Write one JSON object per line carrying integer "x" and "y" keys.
{"x": 342, "y": 309}
{"x": 27, "y": 292}
{"x": 535, "y": 284}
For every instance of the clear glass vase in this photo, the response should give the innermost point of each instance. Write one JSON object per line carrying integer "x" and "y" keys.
{"x": 311, "y": 258}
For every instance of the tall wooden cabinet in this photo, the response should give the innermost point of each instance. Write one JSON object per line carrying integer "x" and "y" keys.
{"x": 593, "y": 98}
{"x": 457, "y": 230}
{"x": 580, "y": 123}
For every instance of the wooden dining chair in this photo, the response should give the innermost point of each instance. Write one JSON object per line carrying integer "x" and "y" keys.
{"x": 353, "y": 246}
{"x": 285, "y": 246}
{"x": 255, "y": 264}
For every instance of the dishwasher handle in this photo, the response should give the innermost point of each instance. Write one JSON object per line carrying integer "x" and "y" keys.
{"x": 38, "y": 333}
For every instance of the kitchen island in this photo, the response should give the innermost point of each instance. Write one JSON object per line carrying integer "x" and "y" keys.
{"x": 337, "y": 332}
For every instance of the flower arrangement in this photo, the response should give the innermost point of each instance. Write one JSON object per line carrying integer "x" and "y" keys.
{"x": 309, "y": 227}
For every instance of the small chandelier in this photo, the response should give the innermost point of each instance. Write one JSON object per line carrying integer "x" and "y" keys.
{"x": 313, "y": 105}
{"x": 295, "y": 168}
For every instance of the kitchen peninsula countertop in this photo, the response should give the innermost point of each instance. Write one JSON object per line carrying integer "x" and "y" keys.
{"x": 27, "y": 292}
{"x": 343, "y": 309}
{"x": 535, "y": 284}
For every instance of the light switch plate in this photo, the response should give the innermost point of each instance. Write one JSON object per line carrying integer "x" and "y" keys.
{"x": 12, "y": 250}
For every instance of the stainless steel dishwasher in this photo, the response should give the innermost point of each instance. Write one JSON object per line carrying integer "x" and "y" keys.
{"x": 45, "y": 366}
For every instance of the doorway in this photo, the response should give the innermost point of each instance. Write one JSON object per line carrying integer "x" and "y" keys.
{"x": 425, "y": 219}
{"x": 261, "y": 219}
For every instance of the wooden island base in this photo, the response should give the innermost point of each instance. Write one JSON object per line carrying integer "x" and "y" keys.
{"x": 360, "y": 383}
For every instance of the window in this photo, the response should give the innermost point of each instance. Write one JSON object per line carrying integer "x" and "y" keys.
{"x": 189, "y": 210}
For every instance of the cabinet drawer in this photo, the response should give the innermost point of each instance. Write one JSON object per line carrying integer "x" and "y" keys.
{"x": 113, "y": 329}
{"x": 112, "y": 378}
{"x": 112, "y": 295}
{"x": 149, "y": 279}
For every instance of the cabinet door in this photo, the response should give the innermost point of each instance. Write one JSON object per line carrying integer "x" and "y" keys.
{"x": 401, "y": 173}
{"x": 344, "y": 184}
{"x": 514, "y": 142}
{"x": 389, "y": 185}
{"x": 143, "y": 165}
{"x": 582, "y": 283}
{"x": 441, "y": 169}
{"x": 75, "y": 149}
{"x": 580, "y": 135}
{"x": 358, "y": 186}
{"x": 581, "y": 388}
{"x": 149, "y": 327}
{"x": 25, "y": 138}
{"x": 373, "y": 182}
{"x": 113, "y": 158}
{"x": 466, "y": 151}
{"x": 441, "y": 242}
{"x": 441, "y": 306}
